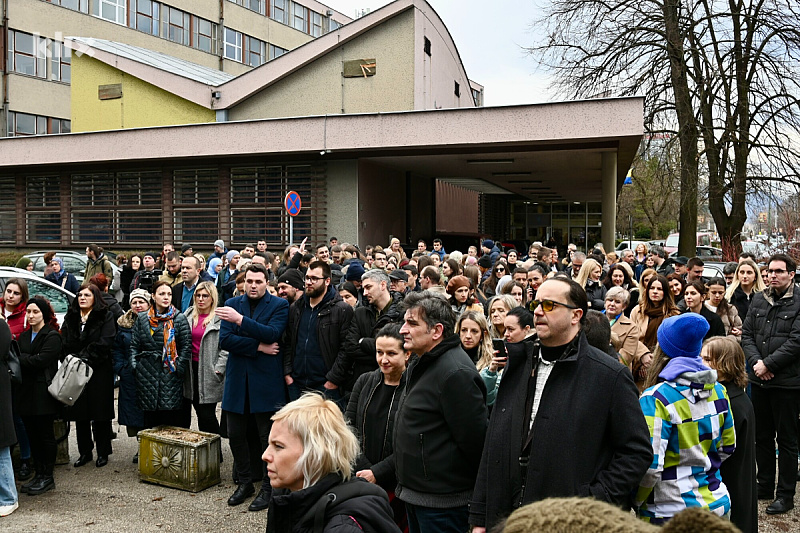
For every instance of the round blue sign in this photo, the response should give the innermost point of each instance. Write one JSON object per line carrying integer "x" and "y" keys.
{"x": 292, "y": 203}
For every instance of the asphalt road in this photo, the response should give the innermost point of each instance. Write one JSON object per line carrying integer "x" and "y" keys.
{"x": 112, "y": 499}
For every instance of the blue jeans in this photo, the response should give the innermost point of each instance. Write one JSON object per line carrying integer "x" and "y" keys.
{"x": 8, "y": 490}
{"x": 22, "y": 438}
{"x": 430, "y": 520}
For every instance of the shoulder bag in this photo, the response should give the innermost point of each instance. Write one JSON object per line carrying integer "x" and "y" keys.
{"x": 14, "y": 368}
{"x": 70, "y": 380}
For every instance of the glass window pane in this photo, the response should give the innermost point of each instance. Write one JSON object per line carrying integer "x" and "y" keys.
{"x": 26, "y": 124}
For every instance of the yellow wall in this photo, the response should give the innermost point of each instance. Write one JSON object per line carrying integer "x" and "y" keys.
{"x": 142, "y": 104}
{"x": 319, "y": 88}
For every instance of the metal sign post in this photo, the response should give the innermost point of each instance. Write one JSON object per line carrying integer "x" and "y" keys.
{"x": 293, "y": 204}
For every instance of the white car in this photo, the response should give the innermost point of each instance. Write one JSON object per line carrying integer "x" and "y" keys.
{"x": 59, "y": 298}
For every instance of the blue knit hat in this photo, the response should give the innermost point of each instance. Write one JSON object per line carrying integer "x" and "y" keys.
{"x": 354, "y": 272}
{"x": 488, "y": 243}
{"x": 682, "y": 335}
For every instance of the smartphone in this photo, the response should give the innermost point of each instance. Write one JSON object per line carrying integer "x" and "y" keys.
{"x": 500, "y": 346}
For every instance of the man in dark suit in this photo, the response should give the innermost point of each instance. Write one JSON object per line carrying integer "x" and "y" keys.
{"x": 251, "y": 326}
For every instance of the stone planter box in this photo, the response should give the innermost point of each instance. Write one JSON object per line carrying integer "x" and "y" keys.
{"x": 179, "y": 458}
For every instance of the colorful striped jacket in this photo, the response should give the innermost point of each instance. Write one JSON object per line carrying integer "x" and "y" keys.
{"x": 692, "y": 432}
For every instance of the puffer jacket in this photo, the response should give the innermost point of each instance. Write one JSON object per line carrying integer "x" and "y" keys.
{"x": 364, "y": 509}
{"x": 16, "y": 321}
{"x": 213, "y": 359}
{"x": 128, "y": 411}
{"x": 158, "y": 388}
{"x": 596, "y": 294}
{"x": 771, "y": 332}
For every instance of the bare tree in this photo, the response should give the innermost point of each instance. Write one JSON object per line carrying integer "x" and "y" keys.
{"x": 721, "y": 74}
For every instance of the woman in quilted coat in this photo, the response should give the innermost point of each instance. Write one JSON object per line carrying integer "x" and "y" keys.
{"x": 161, "y": 348}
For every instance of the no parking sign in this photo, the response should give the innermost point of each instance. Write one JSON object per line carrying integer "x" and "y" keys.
{"x": 292, "y": 204}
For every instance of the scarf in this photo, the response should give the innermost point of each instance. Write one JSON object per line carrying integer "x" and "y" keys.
{"x": 650, "y": 338}
{"x": 170, "y": 352}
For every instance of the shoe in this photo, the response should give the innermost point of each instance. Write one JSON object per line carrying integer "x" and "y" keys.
{"x": 25, "y": 471}
{"x": 261, "y": 501}
{"x": 136, "y": 459}
{"x": 44, "y": 484}
{"x": 780, "y": 506}
{"x": 102, "y": 460}
{"x": 82, "y": 460}
{"x": 8, "y": 509}
{"x": 242, "y": 492}
{"x": 24, "y": 488}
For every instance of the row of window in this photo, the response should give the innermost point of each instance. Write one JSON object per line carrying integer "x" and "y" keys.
{"x": 292, "y": 14}
{"x": 29, "y": 54}
{"x": 173, "y": 24}
{"x": 25, "y": 124}
{"x": 125, "y": 208}
{"x": 249, "y": 50}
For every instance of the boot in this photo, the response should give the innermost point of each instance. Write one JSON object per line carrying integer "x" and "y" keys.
{"x": 39, "y": 472}
{"x": 25, "y": 470}
{"x": 44, "y": 484}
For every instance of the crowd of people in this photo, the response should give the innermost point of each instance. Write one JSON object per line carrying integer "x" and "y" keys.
{"x": 386, "y": 389}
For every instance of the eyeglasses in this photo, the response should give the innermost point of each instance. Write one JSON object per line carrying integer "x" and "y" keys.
{"x": 549, "y": 305}
{"x": 501, "y": 269}
{"x": 313, "y": 279}
{"x": 777, "y": 271}
{"x": 200, "y": 295}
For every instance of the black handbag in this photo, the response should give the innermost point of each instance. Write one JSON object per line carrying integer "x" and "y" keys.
{"x": 12, "y": 361}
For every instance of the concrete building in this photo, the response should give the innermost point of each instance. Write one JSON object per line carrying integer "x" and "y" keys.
{"x": 225, "y": 35}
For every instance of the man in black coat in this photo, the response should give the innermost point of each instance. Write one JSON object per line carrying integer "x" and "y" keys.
{"x": 441, "y": 421}
{"x": 771, "y": 343}
{"x": 8, "y": 490}
{"x": 581, "y": 431}
{"x": 313, "y": 356}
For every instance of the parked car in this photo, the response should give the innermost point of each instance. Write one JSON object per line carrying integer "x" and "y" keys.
{"x": 671, "y": 244}
{"x": 760, "y": 250}
{"x": 59, "y": 298}
{"x": 74, "y": 263}
{"x": 624, "y": 245}
{"x": 713, "y": 269}
{"x": 706, "y": 253}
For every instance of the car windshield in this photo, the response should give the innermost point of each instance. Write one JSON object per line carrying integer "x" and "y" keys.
{"x": 672, "y": 240}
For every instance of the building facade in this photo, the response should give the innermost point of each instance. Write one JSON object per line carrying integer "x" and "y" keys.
{"x": 226, "y": 35}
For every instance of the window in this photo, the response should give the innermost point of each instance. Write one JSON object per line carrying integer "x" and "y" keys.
{"x": 8, "y": 202}
{"x": 256, "y": 53}
{"x": 24, "y": 124}
{"x": 457, "y": 89}
{"x": 299, "y": 15}
{"x": 276, "y": 51}
{"x": 58, "y": 299}
{"x": 253, "y": 5}
{"x": 427, "y": 46}
{"x": 280, "y": 11}
{"x": 42, "y": 203}
{"x": 75, "y": 5}
{"x": 111, "y": 10}
{"x": 333, "y": 25}
{"x": 27, "y": 54}
{"x": 233, "y": 45}
{"x": 61, "y": 59}
{"x": 316, "y": 24}
{"x": 175, "y": 25}
{"x": 145, "y": 16}
{"x": 196, "y": 197}
{"x": 204, "y": 35}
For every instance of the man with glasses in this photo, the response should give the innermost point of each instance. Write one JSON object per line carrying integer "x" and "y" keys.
{"x": 577, "y": 262}
{"x": 771, "y": 343}
{"x": 581, "y": 431}
{"x": 313, "y": 357}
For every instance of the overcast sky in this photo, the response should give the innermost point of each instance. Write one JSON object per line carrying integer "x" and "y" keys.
{"x": 489, "y": 37}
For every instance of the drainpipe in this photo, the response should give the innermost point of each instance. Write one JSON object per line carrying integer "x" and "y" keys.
{"x": 4, "y": 73}
{"x": 221, "y": 36}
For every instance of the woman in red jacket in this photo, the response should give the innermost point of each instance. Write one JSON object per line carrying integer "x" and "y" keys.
{"x": 13, "y": 305}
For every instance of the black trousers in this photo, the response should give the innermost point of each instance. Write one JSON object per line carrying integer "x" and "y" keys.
{"x": 43, "y": 442}
{"x": 241, "y": 450}
{"x": 102, "y": 436}
{"x": 776, "y": 415}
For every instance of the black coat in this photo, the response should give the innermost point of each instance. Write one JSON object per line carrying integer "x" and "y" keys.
{"x": 715, "y": 326}
{"x": 157, "y": 388}
{"x": 7, "y": 434}
{"x": 771, "y": 332}
{"x": 739, "y": 470}
{"x": 742, "y": 302}
{"x": 590, "y": 438}
{"x": 39, "y": 362}
{"x": 128, "y": 411}
{"x": 93, "y": 345}
{"x": 382, "y": 467}
{"x": 333, "y": 323}
{"x": 368, "y": 511}
{"x": 359, "y": 349}
{"x": 440, "y": 423}
{"x": 596, "y": 294}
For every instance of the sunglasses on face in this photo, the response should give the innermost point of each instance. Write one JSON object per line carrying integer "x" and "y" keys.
{"x": 549, "y": 305}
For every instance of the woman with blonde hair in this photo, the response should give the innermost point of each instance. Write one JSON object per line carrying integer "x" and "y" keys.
{"x": 589, "y": 278}
{"x": 647, "y": 275}
{"x": 633, "y": 353}
{"x": 394, "y": 246}
{"x": 473, "y": 330}
{"x": 310, "y": 461}
{"x": 203, "y": 385}
{"x": 747, "y": 281}
{"x": 499, "y": 306}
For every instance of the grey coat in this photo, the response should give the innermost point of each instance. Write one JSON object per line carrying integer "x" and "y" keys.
{"x": 212, "y": 360}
